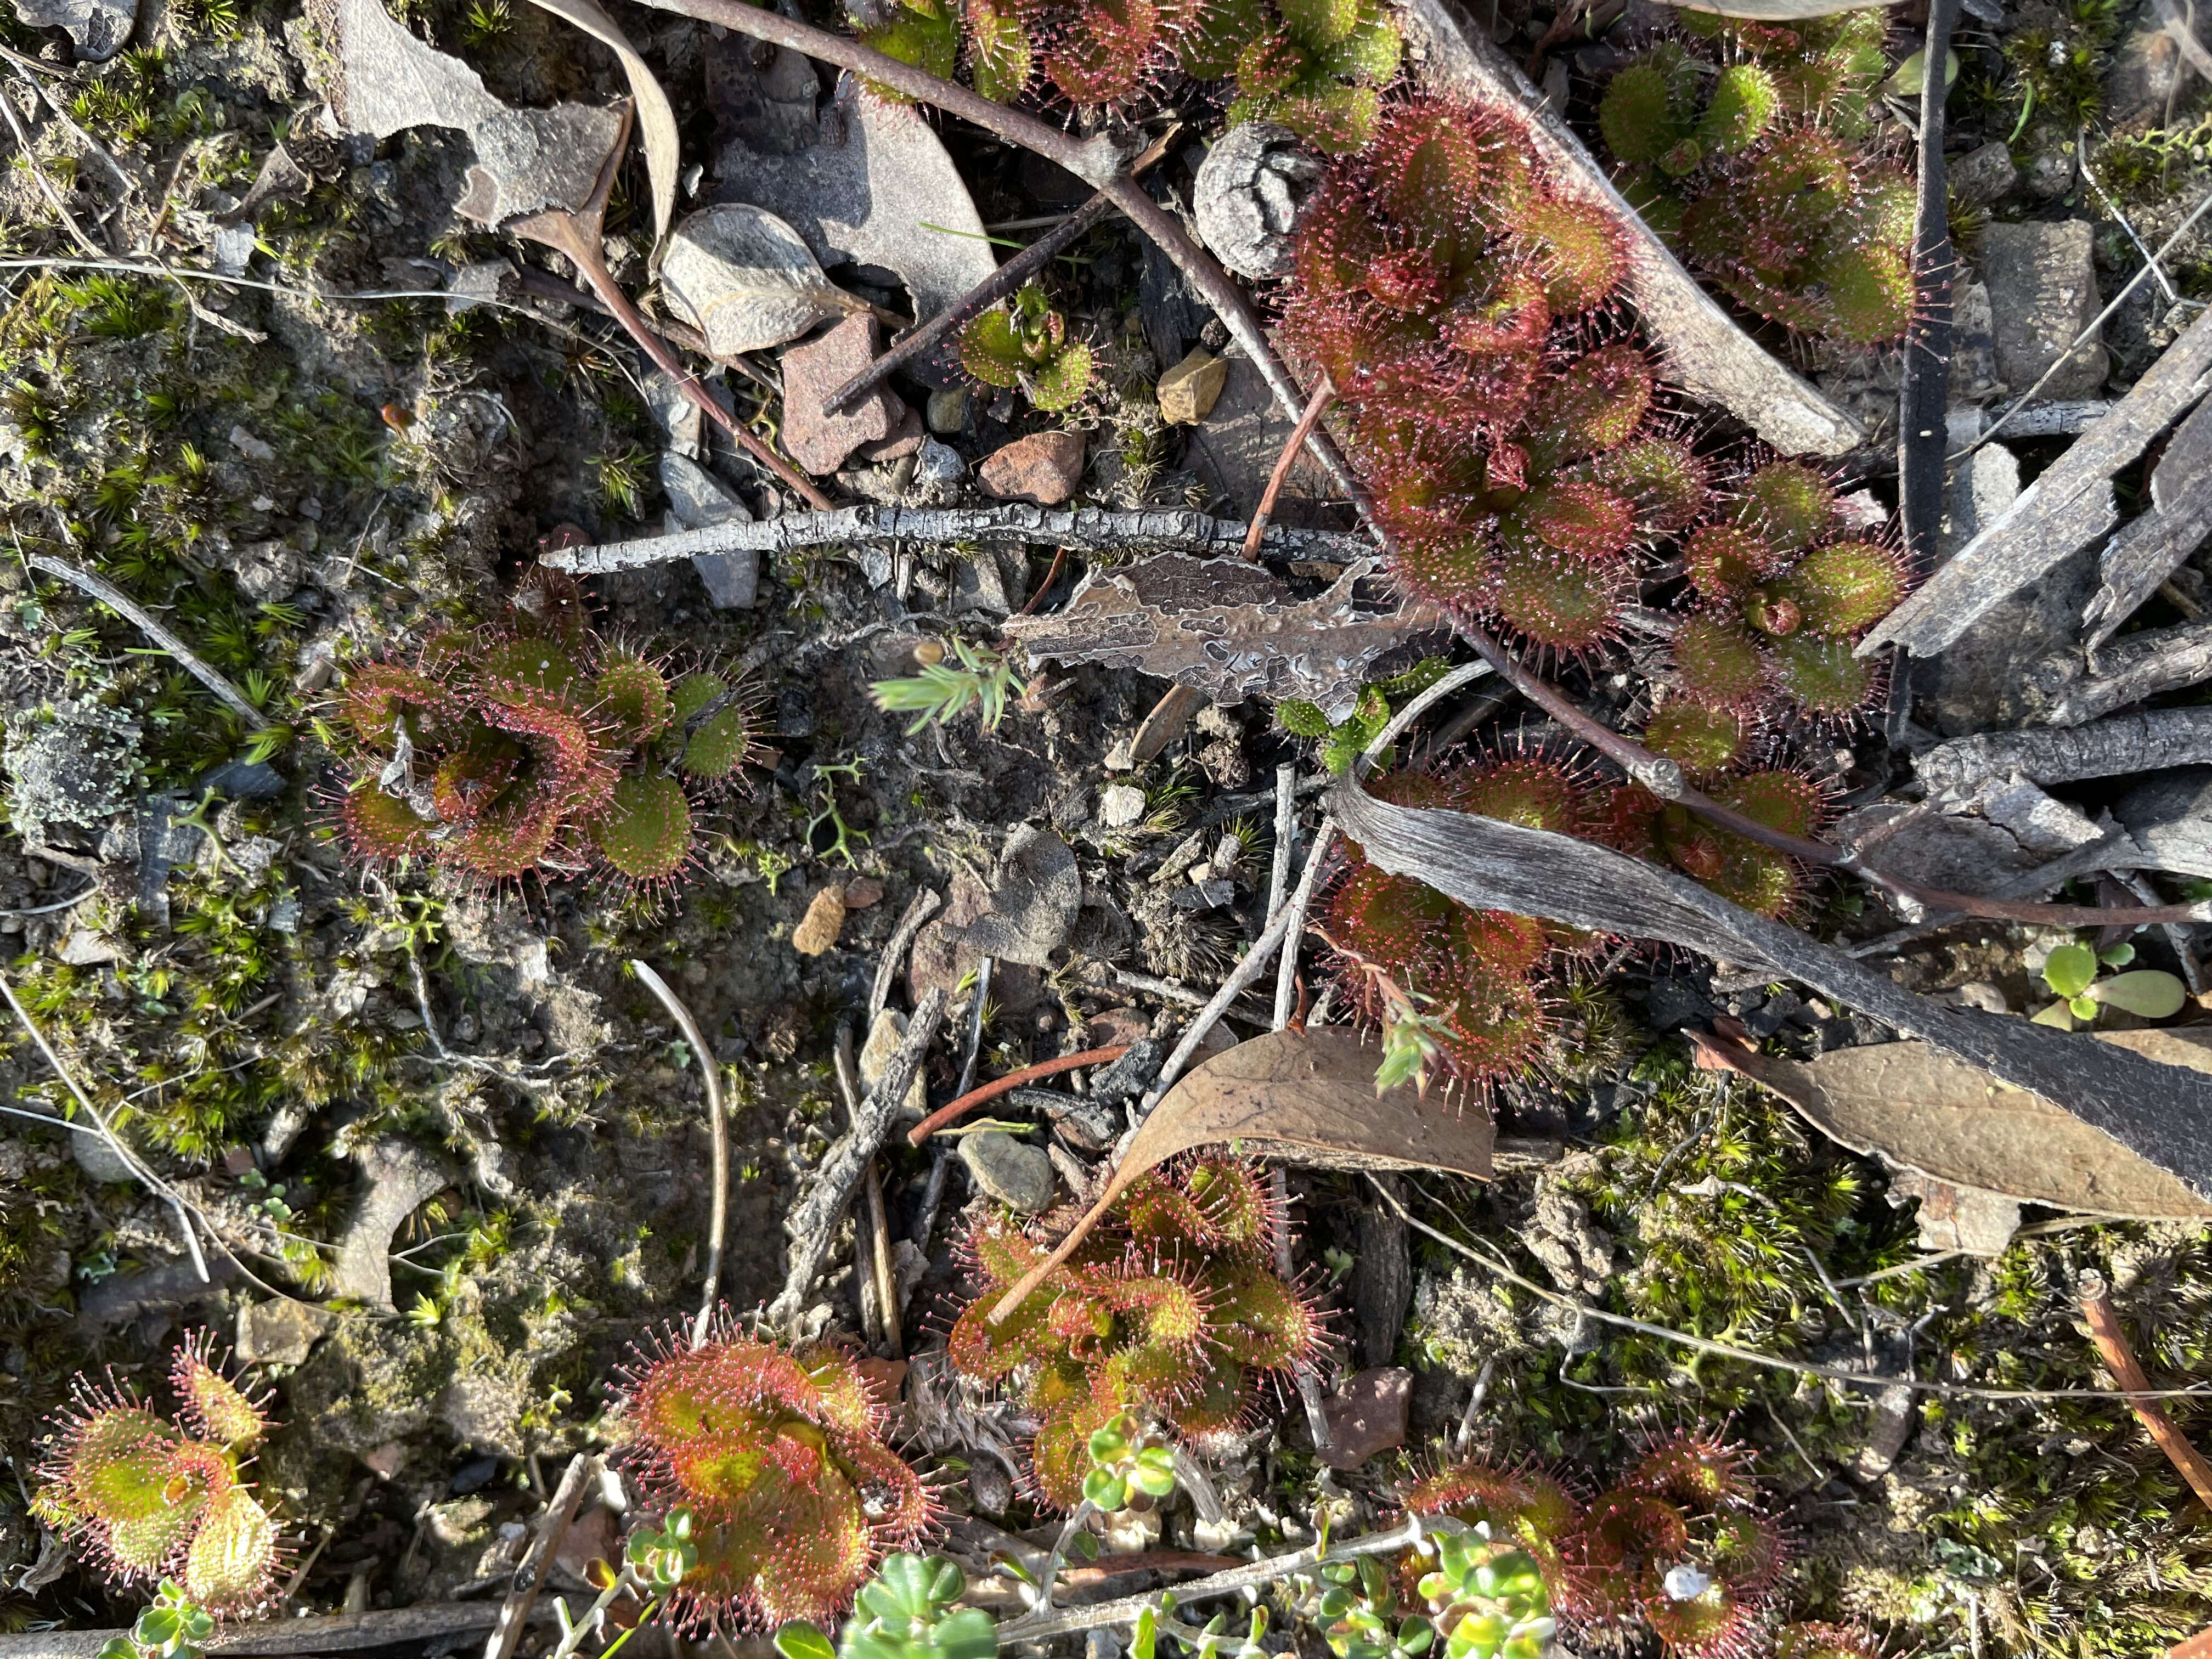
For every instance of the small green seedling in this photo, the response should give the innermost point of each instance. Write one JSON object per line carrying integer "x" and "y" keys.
{"x": 174, "y": 1627}
{"x": 908, "y": 1611}
{"x": 2070, "y": 971}
{"x": 1344, "y": 741}
{"x": 1126, "y": 1461}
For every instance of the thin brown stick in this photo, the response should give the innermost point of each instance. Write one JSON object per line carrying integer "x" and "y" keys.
{"x": 1059, "y": 558}
{"x": 1012, "y": 1080}
{"x": 1324, "y": 394}
{"x": 718, "y": 1125}
{"x": 529, "y": 1577}
{"x": 1664, "y": 779}
{"x": 2111, "y": 1342}
{"x": 1025, "y": 263}
{"x": 546, "y": 286}
{"x": 873, "y": 1241}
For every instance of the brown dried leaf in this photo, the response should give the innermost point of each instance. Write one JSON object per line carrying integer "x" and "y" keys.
{"x": 1933, "y": 1112}
{"x": 1231, "y": 630}
{"x": 1304, "y": 1096}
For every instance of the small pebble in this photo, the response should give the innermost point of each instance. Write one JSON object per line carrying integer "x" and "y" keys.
{"x": 823, "y": 921}
{"x": 1016, "y": 1174}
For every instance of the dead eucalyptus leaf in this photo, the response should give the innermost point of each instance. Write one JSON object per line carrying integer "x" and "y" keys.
{"x": 1233, "y": 630}
{"x": 1304, "y": 1096}
{"x": 656, "y": 119}
{"x": 1930, "y": 1111}
{"x": 746, "y": 280}
{"x": 874, "y": 186}
{"x": 526, "y": 159}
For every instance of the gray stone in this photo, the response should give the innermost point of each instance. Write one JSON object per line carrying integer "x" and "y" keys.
{"x": 1017, "y": 1175}
{"x": 268, "y": 571}
{"x": 948, "y": 409}
{"x": 937, "y": 463}
{"x": 2043, "y": 288}
{"x": 1973, "y": 346}
{"x": 2145, "y": 71}
{"x": 280, "y": 1332}
{"x": 487, "y": 281}
{"x": 97, "y": 28}
{"x": 232, "y": 246}
{"x": 1984, "y": 175}
{"x": 98, "y": 1160}
{"x": 1122, "y": 805}
{"x": 253, "y": 448}
{"x": 1247, "y": 194}
{"x": 2050, "y": 174}
{"x": 697, "y": 499}
{"x": 883, "y": 1039}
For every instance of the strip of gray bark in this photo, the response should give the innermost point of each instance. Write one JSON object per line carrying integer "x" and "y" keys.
{"x": 1955, "y": 772}
{"x": 1079, "y": 530}
{"x": 2156, "y": 1111}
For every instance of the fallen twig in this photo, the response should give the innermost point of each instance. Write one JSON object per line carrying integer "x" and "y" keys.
{"x": 919, "y": 910}
{"x": 337, "y": 1632}
{"x": 1084, "y": 530}
{"x": 1043, "y": 1625}
{"x": 874, "y": 1242}
{"x": 2112, "y": 1343}
{"x": 529, "y": 1577}
{"x": 124, "y": 605}
{"x": 813, "y": 1221}
{"x": 1324, "y": 394}
{"x": 1012, "y": 1080}
{"x": 710, "y": 1071}
{"x": 1955, "y": 773}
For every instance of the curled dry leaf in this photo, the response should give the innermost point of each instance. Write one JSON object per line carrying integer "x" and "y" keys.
{"x": 656, "y": 119}
{"x": 1304, "y": 1096}
{"x": 1930, "y": 1111}
{"x": 746, "y": 280}
{"x": 1233, "y": 630}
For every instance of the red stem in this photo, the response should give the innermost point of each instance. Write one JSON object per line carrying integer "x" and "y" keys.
{"x": 1324, "y": 394}
{"x": 990, "y": 1091}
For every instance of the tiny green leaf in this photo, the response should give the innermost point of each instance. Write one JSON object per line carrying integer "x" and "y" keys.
{"x": 2069, "y": 969}
{"x": 800, "y": 1640}
{"x": 2145, "y": 992}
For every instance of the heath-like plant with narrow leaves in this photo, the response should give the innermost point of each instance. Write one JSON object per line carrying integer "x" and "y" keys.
{"x": 1680, "y": 1547}
{"x": 1170, "y": 1310}
{"x": 1452, "y": 288}
{"x": 1757, "y": 167}
{"x": 150, "y": 1496}
{"x": 1023, "y": 342}
{"x": 534, "y": 744}
{"x": 779, "y": 1458}
{"x": 1781, "y": 590}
